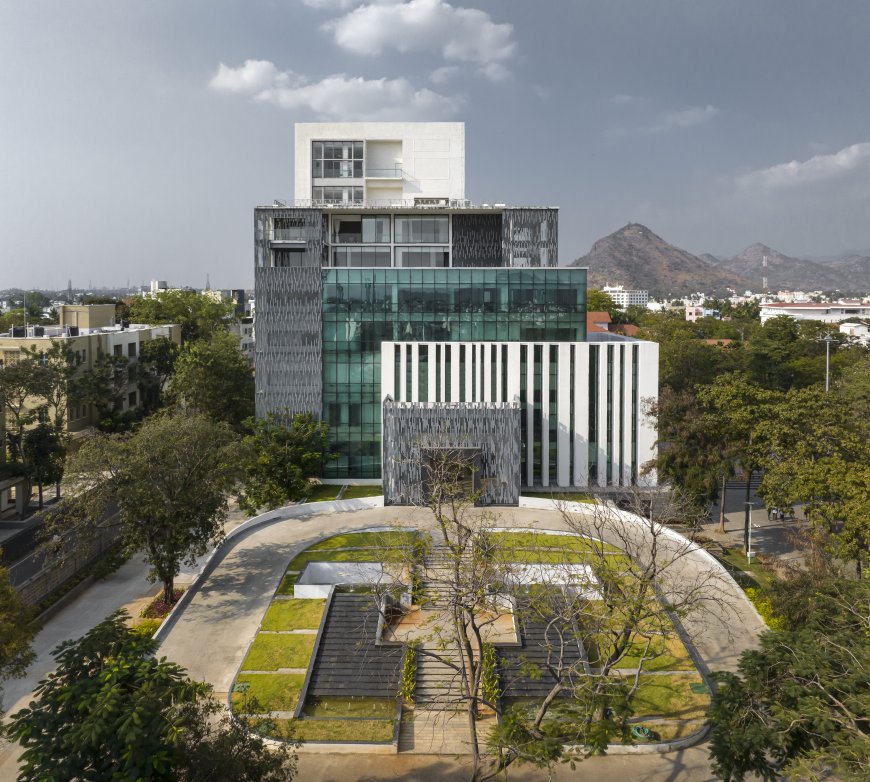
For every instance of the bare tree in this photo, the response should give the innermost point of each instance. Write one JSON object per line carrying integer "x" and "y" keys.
{"x": 622, "y": 585}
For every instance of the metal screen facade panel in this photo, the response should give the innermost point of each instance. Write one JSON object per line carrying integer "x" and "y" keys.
{"x": 412, "y": 428}
{"x": 477, "y": 240}
{"x": 288, "y": 309}
{"x": 530, "y": 237}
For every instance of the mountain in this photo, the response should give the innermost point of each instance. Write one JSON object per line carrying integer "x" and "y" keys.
{"x": 855, "y": 269}
{"x": 637, "y": 258}
{"x": 787, "y": 273}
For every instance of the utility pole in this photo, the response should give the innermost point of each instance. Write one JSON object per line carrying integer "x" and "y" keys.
{"x": 722, "y": 506}
{"x": 828, "y": 340}
{"x": 747, "y": 532}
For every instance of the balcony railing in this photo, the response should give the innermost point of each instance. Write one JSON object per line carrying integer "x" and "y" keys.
{"x": 384, "y": 173}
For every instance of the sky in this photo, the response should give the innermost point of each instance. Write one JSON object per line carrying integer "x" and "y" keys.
{"x": 136, "y": 138}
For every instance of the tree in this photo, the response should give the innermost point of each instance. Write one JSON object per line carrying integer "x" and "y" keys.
{"x": 213, "y": 378}
{"x": 103, "y": 386}
{"x": 156, "y": 362}
{"x": 16, "y": 632}
{"x": 599, "y": 301}
{"x": 817, "y": 454}
{"x": 20, "y": 388}
{"x": 284, "y": 452}
{"x": 44, "y": 452}
{"x": 736, "y": 407}
{"x": 112, "y": 710}
{"x": 798, "y": 706}
{"x": 200, "y": 317}
{"x": 168, "y": 480}
{"x": 468, "y": 576}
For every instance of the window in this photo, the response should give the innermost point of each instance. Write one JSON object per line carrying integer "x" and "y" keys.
{"x": 422, "y": 256}
{"x": 131, "y": 399}
{"x": 118, "y": 349}
{"x": 337, "y": 159}
{"x": 131, "y": 349}
{"x": 337, "y": 195}
{"x": 361, "y": 256}
{"x": 288, "y": 229}
{"x": 412, "y": 229}
{"x": 282, "y": 259}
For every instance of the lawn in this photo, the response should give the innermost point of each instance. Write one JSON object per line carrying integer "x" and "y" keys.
{"x": 271, "y": 652}
{"x": 567, "y": 496}
{"x": 735, "y": 560}
{"x": 357, "y": 492}
{"x": 671, "y": 696}
{"x": 359, "y": 555}
{"x": 382, "y": 708}
{"x": 322, "y": 492}
{"x": 268, "y": 692}
{"x": 293, "y": 615}
{"x": 286, "y": 585}
{"x": 328, "y": 730}
{"x": 670, "y": 653}
{"x": 366, "y": 540}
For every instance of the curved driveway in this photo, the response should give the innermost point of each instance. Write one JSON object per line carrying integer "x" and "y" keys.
{"x": 211, "y": 635}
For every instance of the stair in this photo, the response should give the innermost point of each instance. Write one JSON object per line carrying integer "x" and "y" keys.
{"x": 439, "y": 686}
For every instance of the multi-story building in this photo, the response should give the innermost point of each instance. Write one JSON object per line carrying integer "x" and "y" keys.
{"x": 832, "y": 312}
{"x": 623, "y": 298}
{"x": 89, "y": 330}
{"x": 409, "y": 318}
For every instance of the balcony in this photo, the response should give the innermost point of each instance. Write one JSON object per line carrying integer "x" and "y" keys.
{"x": 289, "y": 235}
{"x": 394, "y": 172}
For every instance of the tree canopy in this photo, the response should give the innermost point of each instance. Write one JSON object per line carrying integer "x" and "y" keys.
{"x": 284, "y": 452}
{"x": 114, "y": 711}
{"x": 199, "y": 316}
{"x": 798, "y": 707}
{"x": 168, "y": 480}
{"x": 214, "y": 379}
{"x": 16, "y": 632}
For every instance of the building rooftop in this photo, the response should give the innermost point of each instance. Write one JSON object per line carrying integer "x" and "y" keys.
{"x": 62, "y": 332}
{"x": 394, "y": 203}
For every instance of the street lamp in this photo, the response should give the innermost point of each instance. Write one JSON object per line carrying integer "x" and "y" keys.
{"x": 747, "y": 532}
{"x": 828, "y": 339}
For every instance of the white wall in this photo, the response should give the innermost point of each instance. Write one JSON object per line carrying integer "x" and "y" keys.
{"x": 432, "y": 153}
{"x": 572, "y": 462}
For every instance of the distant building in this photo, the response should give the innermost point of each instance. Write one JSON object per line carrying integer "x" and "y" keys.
{"x": 695, "y": 311}
{"x": 89, "y": 330}
{"x": 832, "y": 312}
{"x": 859, "y": 332}
{"x": 623, "y": 298}
{"x": 243, "y": 328}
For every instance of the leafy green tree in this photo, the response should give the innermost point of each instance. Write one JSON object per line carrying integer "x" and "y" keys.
{"x": 103, "y": 386}
{"x": 599, "y": 301}
{"x": 817, "y": 453}
{"x": 213, "y": 378}
{"x": 284, "y": 452}
{"x": 114, "y": 711}
{"x": 20, "y": 387}
{"x": 16, "y": 632}
{"x": 736, "y": 407}
{"x": 691, "y": 454}
{"x": 156, "y": 361}
{"x": 200, "y": 317}
{"x": 168, "y": 481}
{"x": 798, "y": 707}
{"x": 44, "y": 451}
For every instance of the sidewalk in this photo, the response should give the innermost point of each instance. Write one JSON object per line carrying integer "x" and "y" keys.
{"x": 127, "y": 588}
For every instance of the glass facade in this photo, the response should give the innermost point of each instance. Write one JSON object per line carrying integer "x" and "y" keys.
{"x": 364, "y": 307}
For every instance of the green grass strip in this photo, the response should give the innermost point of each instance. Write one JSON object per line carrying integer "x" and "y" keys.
{"x": 267, "y": 692}
{"x": 271, "y": 652}
{"x": 294, "y": 615}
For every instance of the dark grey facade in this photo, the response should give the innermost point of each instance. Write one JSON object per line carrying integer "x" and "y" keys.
{"x": 411, "y": 429}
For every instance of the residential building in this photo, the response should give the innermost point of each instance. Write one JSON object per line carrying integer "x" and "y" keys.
{"x": 623, "y": 298}
{"x": 89, "y": 330}
{"x": 411, "y": 319}
{"x": 827, "y": 312}
{"x": 695, "y": 311}
{"x": 859, "y": 332}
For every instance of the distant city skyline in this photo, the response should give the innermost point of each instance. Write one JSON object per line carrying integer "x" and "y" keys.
{"x": 137, "y": 138}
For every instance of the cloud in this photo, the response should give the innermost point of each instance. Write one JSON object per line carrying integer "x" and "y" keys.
{"x": 466, "y": 35}
{"x": 686, "y": 118}
{"x": 444, "y": 74}
{"x": 626, "y": 100}
{"x": 335, "y": 97}
{"x": 331, "y": 5}
{"x": 816, "y": 169}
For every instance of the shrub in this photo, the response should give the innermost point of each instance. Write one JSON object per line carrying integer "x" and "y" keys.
{"x": 158, "y": 608}
{"x": 764, "y": 607}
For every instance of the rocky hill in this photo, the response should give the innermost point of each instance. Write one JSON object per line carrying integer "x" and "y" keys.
{"x": 854, "y": 271}
{"x": 637, "y": 258}
{"x": 784, "y": 272}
